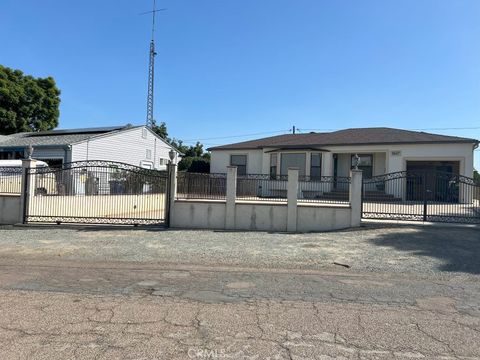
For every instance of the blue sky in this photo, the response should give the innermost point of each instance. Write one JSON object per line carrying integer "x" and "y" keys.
{"x": 230, "y": 68}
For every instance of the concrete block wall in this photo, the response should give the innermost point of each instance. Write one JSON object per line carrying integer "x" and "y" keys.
{"x": 289, "y": 216}
{"x": 12, "y": 205}
{"x": 10, "y": 209}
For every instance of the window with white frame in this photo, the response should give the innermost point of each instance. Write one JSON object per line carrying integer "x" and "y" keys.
{"x": 316, "y": 165}
{"x": 365, "y": 164}
{"x": 273, "y": 165}
{"x": 240, "y": 161}
{"x": 293, "y": 160}
{"x": 146, "y": 165}
{"x": 148, "y": 154}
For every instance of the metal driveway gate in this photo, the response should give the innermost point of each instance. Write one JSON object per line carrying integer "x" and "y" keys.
{"x": 97, "y": 192}
{"x": 423, "y": 196}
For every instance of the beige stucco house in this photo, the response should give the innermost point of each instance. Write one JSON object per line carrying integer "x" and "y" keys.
{"x": 381, "y": 151}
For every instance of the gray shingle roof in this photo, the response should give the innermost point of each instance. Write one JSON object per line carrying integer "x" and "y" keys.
{"x": 347, "y": 137}
{"x": 54, "y": 137}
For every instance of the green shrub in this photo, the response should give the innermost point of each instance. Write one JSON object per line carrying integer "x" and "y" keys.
{"x": 194, "y": 164}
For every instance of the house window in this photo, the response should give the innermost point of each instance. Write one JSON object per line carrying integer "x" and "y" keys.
{"x": 365, "y": 164}
{"x": 316, "y": 166}
{"x": 163, "y": 161}
{"x": 292, "y": 160}
{"x": 240, "y": 161}
{"x": 144, "y": 133}
{"x": 11, "y": 155}
{"x": 146, "y": 165}
{"x": 148, "y": 155}
{"x": 273, "y": 166}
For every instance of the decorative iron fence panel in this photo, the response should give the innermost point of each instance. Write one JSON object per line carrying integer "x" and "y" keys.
{"x": 98, "y": 192}
{"x": 201, "y": 186}
{"x": 10, "y": 180}
{"x": 262, "y": 187}
{"x": 422, "y": 196}
{"x": 324, "y": 189}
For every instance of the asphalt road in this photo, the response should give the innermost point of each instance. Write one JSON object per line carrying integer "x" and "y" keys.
{"x": 54, "y": 306}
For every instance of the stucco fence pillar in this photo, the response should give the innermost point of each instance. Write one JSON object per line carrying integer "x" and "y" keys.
{"x": 355, "y": 197}
{"x": 231, "y": 197}
{"x": 292, "y": 199}
{"x": 172, "y": 191}
{"x": 327, "y": 169}
{"x": 28, "y": 186}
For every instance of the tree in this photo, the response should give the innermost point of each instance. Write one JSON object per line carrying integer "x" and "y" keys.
{"x": 476, "y": 176}
{"x": 194, "y": 164}
{"x": 195, "y": 151}
{"x": 160, "y": 130}
{"x": 27, "y": 103}
{"x": 194, "y": 158}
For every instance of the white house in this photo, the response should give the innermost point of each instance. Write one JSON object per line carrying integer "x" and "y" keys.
{"x": 332, "y": 154}
{"x": 381, "y": 151}
{"x": 134, "y": 145}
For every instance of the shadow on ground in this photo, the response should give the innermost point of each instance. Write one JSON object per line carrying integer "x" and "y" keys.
{"x": 458, "y": 248}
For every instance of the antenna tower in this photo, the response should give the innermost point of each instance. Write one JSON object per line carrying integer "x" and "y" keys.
{"x": 151, "y": 68}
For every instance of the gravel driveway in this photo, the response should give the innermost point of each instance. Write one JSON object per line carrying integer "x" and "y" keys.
{"x": 372, "y": 248}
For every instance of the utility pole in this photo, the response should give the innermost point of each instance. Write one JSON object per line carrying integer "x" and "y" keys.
{"x": 151, "y": 68}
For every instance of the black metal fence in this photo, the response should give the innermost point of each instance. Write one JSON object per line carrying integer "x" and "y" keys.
{"x": 96, "y": 192}
{"x": 325, "y": 189}
{"x": 10, "y": 180}
{"x": 423, "y": 196}
{"x": 201, "y": 186}
{"x": 262, "y": 187}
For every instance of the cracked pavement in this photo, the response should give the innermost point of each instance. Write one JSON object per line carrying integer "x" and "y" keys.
{"x": 54, "y": 307}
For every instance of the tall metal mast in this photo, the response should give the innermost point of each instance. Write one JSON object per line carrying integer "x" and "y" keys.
{"x": 151, "y": 68}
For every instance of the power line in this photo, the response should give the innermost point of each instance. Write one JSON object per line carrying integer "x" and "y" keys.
{"x": 417, "y": 129}
{"x": 320, "y": 129}
{"x": 193, "y": 141}
{"x": 453, "y": 128}
{"x": 237, "y": 136}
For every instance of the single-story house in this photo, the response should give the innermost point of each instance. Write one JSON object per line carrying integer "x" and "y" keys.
{"x": 134, "y": 145}
{"x": 381, "y": 150}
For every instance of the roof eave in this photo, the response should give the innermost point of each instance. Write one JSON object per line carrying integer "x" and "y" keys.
{"x": 35, "y": 147}
{"x": 460, "y": 141}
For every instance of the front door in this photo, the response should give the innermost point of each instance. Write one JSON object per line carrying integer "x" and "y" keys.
{"x": 335, "y": 170}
